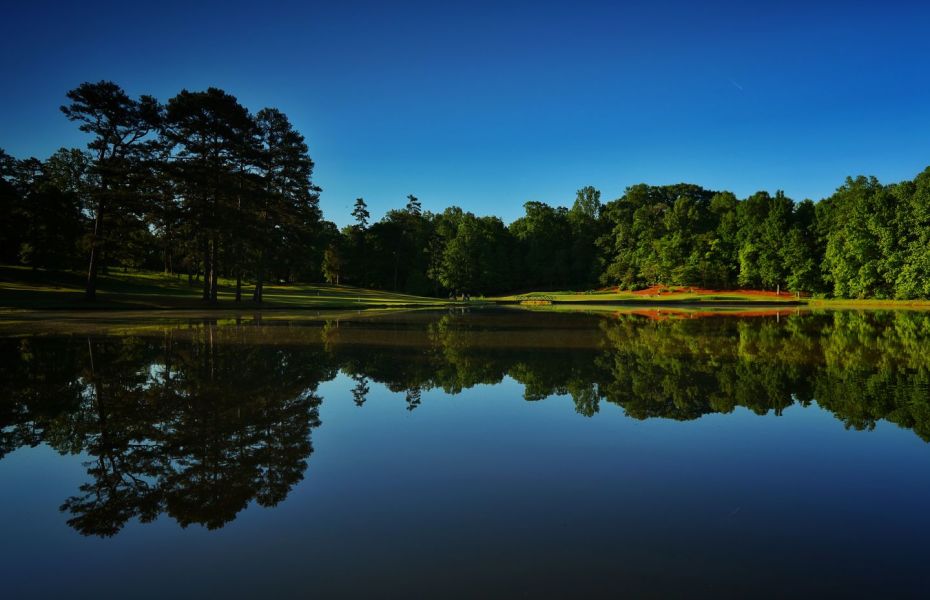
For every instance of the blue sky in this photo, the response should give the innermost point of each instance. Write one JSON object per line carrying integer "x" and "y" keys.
{"x": 488, "y": 105}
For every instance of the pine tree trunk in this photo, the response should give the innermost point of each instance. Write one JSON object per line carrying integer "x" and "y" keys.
{"x": 260, "y": 279}
{"x": 206, "y": 271}
{"x": 214, "y": 274}
{"x": 90, "y": 292}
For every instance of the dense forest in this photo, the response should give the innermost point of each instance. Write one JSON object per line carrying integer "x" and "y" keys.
{"x": 201, "y": 187}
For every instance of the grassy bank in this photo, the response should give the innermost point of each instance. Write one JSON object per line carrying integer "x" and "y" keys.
{"x": 629, "y": 297}
{"x": 842, "y": 303}
{"x": 23, "y": 288}
{"x": 697, "y": 298}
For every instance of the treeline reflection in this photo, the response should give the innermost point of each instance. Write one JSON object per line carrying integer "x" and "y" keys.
{"x": 196, "y": 420}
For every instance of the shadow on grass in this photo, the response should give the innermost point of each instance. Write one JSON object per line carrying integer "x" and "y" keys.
{"x": 23, "y": 288}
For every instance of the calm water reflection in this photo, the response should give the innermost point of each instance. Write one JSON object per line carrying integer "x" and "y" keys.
{"x": 407, "y": 455}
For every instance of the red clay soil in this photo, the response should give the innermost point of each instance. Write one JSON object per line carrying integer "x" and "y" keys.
{"x": 661, "y": 290}
{"x": 663, "y": 314}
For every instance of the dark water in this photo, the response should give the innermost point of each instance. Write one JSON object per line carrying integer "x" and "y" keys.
{"x": 488, "y": 454}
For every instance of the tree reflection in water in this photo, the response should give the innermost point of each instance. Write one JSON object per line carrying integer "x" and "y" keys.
{"x": 194, "y": 428}
{"x": 196, "y": 420}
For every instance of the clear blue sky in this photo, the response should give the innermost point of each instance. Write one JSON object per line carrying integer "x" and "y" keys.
{"x": 487, "y": 106}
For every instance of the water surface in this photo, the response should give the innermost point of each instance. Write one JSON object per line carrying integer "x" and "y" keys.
{"x": 486, "y": 453}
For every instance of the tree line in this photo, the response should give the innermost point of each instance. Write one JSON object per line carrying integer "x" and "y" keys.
{"x": 202, "y": 186}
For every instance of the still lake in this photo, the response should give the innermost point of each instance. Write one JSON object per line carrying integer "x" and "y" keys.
{"x": 490, "y": 453}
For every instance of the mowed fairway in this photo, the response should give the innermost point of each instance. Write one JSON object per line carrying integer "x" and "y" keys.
{"x": 23, "y": 288}
{"x": 654, "y": 295}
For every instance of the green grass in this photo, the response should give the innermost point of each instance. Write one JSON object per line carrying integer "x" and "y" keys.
{"x": 564, "y": 297}
{"x": 23, "y": 288}
{"x": 604, "y": 300}
{"x": 868, "y": 303}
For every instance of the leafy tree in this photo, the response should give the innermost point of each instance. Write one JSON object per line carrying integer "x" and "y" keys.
{"x": 764, "y": 221}
{"x": 120, "y": 128}
{"x": 397, "y": 248}
{"x": 583, "y": 221}
{"x": 360, "y": 390}
{"x": 658, "y": 235}
{"x": 913, "y": 279}
{"x": 333, "y": 263}
{"x": 862, "y": 247}
{"x": 360, "y": 213}
{"x": 413, "y": 206}
{"x": 470, "y": 261}
{"x": 801, "y": 253}
{"x": 210, "y": 132}
{"x": 11, "y": 199}
{"x": 289, "y": 215}
{"x": 544, "y": 241}
{"x": 722, "y": 251}
{"x": 53, "y": 226}
{"x": 356, "y": 244}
